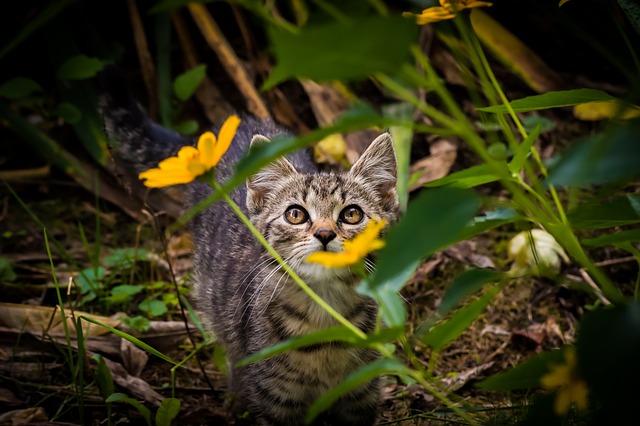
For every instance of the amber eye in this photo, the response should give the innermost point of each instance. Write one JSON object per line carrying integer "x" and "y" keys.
{"x": 351, "y": 215}
{"x": 296, "y": 215}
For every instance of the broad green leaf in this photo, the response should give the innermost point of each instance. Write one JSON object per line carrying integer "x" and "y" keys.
{"x": 339, "y": 50}
{"x": 551, "y": 100}
{"x": 628, "y": 236}
{"x": 468, "y": 282}
{"x": 607, "y": 353}
{"x": 103, "y": 377}
{"x": 120, "y": 397}
{"x": 523, "y": 150}
{"x": 138, "y": 323}
{"x": 433, "y": 220}
{"x": 153, "y": 307}
{"x": 18, "y": 87}
{"x": 69, "y": 112}
{"x": 525, "y": 375}
{"x": 445, "y": 332}
{"x": 467, "y": 178}
{"x": 167, "y": 411}
{"x": 125, "y": 257}
{"x": 186, "y": 84}
{"x": 391, "y": 305}
{"x": 80, "y": 67}
{"x": 489, "y": 220}
{"x": 611, "y": 156}
{"x": 6, "y": 271}
{"x": 89, "y": 279}
{"x": 355, "y": 380}
{"x": 598, "y": 214}
{"x": 632, "y": 10}
{"x": 123, "y": 293}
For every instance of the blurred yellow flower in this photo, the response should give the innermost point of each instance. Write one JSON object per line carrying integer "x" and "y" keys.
{"x": 536, "y": 252}
{"x": 446, "y": 10}
{"x": 354, "y": 250}
{"x": 565, "y": 378}
{"x": 192, "y": 162}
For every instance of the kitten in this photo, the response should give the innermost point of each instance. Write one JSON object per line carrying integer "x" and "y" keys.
{"x": 245, "y": 297}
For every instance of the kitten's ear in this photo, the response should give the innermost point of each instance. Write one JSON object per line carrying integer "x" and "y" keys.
{"x": 260, "y": 184}
{"x": 377, "y": 166}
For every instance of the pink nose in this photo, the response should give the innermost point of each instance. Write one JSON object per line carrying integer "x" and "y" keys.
{"x": 324, "y": 235}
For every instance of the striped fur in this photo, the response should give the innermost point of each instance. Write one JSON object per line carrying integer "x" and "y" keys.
{"x": 244, "y": 296}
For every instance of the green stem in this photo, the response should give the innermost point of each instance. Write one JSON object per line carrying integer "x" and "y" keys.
{"x": 294, "y": 276}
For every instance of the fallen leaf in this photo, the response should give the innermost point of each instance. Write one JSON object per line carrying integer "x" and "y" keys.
{"x": 135, "y": 386}
{"x": 437, "y": 165}
{"x": 594, "y": 111}
{"x": 24, "y": 417}
{"x": 133, "y": 358}
{"x": 454, "y": 383}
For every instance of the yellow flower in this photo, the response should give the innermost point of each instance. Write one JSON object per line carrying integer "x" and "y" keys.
{"x": 571, "y": 388}
{"x": 446, "y": 10}
{"x": 354, "y": 250}
{"x": 192, "y": 162}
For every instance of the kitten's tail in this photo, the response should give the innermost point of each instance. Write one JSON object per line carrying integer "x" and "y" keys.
{"x": 136, "y": 140}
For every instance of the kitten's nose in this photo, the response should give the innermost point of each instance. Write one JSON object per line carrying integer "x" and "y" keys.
{"x": 325, "y": 235}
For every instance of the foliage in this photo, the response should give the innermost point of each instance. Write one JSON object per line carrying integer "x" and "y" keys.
{"x": 583, "y": 197}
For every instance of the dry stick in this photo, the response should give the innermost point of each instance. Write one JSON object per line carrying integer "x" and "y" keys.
{"x": 144, "y": 57}
{"x": 216, "y": 108}
{"x": 216, "y": 40}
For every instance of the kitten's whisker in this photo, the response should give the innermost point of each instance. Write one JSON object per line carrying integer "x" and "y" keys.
{"x": 262, "y": 265}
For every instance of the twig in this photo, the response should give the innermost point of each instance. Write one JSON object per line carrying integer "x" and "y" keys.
{"x": 144, "y": 57}
{"x": 217, "y": 41}
{"x": 585, "y": 276}
{"x": 216, "y": 108}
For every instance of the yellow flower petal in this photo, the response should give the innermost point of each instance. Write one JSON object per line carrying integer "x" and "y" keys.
{"x": 192, "y": 162}
{"x": 354, "y": 250}
{"x": 446, "y": 10}
{"x": 227, "y": 132}
{"x": 206, "y": 147}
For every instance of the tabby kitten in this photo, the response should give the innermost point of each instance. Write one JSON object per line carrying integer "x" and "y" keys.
{"x": 244, "y": 295}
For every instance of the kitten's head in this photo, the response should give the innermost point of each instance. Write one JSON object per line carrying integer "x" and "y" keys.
{"x": 303, "y": 213}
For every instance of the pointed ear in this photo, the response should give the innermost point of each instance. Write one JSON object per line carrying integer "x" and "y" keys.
{"x": 262, "y": 183}
{"x": 377, "y": 166}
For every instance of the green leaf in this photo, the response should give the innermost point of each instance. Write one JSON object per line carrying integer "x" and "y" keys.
{"x": 489, "y": 220}
{"x": 611, "y": 156}
{"x": 433, "y": 220}
{"x": 138, "y": 323}
{"x": 342, "y": 50}
{"x": 123, "y": 293}
{"x": 467, "y": 178}
{"x": 89, "y": 279}
{"x": 632, "y": 10}
{"x": 167, "y": 411}
{"x": 552, "y": 100}
{"x": 153, "y": 307}
{"x": 125, "y": 258}
{"x": 444, "y": 333}
{"x": 523, "y": 150}
{"x": 19, "y": 87}
{"x": 80, "y": 67}
{"x": 69, "y": 112}
{"x": 120, "y": 397}
{"x": 525, "y": 375}
{"x": 466, "y": 283}
{"x": 622, "y": 237}
{"x": 103, "y": 377}
{"x": 402, "y": 137}
{"x": 186, "y": 83}
{"x": 187, "y": 127}
{"x": 607, "y": 352}
{"x": 6, "y": 271}
{"x": 598, "y": 214}
{"x": 355, "y": 380}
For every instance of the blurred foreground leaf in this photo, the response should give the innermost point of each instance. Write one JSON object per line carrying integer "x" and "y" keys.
{"x": 525, "y": 375}
{"x": 186, "y": 84}
{"x": 338, "y": 50}
{"x": 611, "y": 156}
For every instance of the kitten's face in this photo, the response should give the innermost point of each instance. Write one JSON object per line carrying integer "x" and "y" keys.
{"x": 300, "y": 214}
